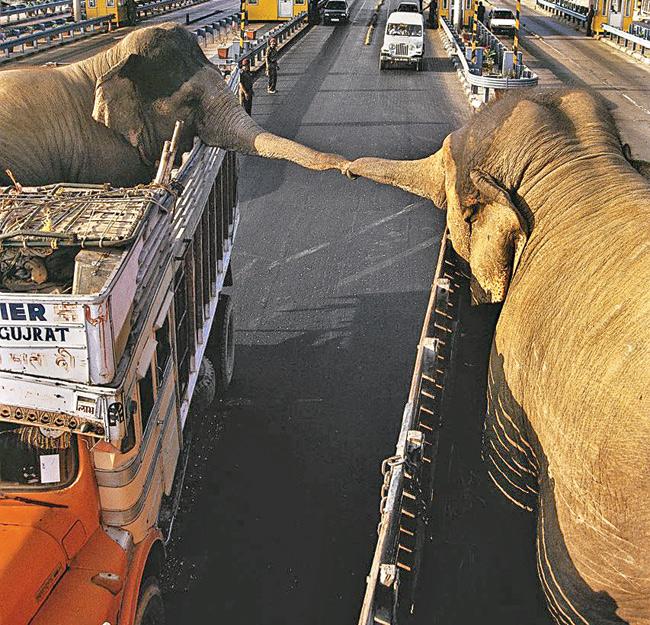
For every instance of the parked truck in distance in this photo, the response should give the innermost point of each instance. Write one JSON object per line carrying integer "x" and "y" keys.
{"x": 107, "y": 302}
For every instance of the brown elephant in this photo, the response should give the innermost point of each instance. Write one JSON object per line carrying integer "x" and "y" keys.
{"x": 554, "y": 222}
{"x": 105, "y": 119}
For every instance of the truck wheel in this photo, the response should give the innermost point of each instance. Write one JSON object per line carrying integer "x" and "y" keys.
{"x": 382, "y": 65}
{"x": 205, "y": 390}
{"x": 151, "y": 609}
{"x": 224, "y": 343}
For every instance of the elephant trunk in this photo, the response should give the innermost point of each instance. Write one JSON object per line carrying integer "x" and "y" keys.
{"x": 424, "y": 177}
{"x": 225, "y": 124}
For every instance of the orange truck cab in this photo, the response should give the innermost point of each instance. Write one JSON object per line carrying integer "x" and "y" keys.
{"x": 107, "y": 301}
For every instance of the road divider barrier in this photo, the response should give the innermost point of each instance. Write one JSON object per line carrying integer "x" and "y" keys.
{"x": 146, "y": 10}
{"x": 372, "y": 23}
{"x": 255, "y": 50}
{"x": 30, "y": 13}
{"x": 569, "y": 12}
{"x": 490, "y": 67}
{"x": 34, "y": 42}
{"x": 632, "y": 43}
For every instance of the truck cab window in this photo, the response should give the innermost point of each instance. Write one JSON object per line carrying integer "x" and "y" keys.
{"x": 163, "y": 349}
{"x": 147, "y": 397}
{"x": 36, "y": 458}
{"x": 129, "y": 438}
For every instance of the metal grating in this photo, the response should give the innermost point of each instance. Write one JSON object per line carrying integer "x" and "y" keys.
{"x": 68, "y": 215}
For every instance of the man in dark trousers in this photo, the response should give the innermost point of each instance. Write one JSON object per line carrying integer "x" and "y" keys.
{"x": 480, "y": 12}
{"x": 272, "y": 56}
{"x": 246, "y": 86}
{"x": 433, "y": 14}
{"x": 590, "y": 19}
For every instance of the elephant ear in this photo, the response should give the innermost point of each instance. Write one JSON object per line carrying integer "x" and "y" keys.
{"x": 498, "y": 236}
{"x": 117, "y": 104}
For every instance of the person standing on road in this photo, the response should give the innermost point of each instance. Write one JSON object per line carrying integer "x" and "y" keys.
{"x": 433, "y": 14}
{"x": 590, "y": 19}
{"x": 131, "y": 12}
{"x": 246, "y": 86}
{"x": 272, "y": 56}
{"x": 480, "y": 12}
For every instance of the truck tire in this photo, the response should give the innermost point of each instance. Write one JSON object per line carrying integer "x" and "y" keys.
{"x": 205, "y": 390}
{"x": 151, "y": 609}
{"x": 382, "y": 65}
{"x": 223, "y": 343}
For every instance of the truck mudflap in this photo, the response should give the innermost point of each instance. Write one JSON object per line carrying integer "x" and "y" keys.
{"x": 408, "y": 475}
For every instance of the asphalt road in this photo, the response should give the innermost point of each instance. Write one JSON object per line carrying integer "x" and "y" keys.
{"x": 561, "y": 55}
{"x": 332, "y": 279}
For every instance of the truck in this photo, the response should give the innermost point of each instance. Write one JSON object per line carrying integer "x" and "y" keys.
{"x": 110, "y": 300}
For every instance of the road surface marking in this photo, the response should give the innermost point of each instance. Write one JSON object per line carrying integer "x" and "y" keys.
{"x": 627, "y": 97}
{"x": 406, "y": 209}
{"x": 389, "y": 261}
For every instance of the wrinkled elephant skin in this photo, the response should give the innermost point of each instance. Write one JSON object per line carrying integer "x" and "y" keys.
{"x": 554, "y": 220}
{"x": 106, "y": 119}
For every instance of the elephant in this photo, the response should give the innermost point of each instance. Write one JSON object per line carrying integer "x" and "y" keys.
{"x": 553, "y": 220}
{"x": 105, "y": 119}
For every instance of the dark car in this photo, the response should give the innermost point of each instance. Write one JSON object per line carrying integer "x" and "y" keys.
{"x": 409, "y": 7}
{"x": 336, "y": 11}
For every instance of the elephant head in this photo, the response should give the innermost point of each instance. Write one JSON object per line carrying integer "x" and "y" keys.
{"x": 484, "y": 171}
{"x": 158, "y": 75}
{"x": 485, "y": 226}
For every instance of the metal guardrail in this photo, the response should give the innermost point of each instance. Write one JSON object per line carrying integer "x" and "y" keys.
{"x": 34, "y": 9}
{"x": 74, "y": 30}
{"x": 634, "y": 40}
{"x": 408, "y": 476}
{"x": 523, "y": 77}
{"x": 148, "y": 9}
{"x": 564, "y": 11}
{"x": 254, "y": 50}
{"x": 640, "y": 29}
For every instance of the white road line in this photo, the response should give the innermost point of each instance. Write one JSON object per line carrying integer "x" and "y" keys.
{"x": 389, "y": 261}
{"x": 406, "y": 209}
{"x": 627, "y": 97}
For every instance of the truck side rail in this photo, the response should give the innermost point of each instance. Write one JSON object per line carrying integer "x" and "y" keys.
{"x": 407, "y": 487}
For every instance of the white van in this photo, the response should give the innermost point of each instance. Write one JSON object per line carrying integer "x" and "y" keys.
{"x": 403, "y": 40}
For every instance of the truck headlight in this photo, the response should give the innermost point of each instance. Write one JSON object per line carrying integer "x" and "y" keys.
{"x": 391, "y": 47}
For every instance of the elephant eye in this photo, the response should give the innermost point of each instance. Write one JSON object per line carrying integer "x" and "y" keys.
{"x": 470, "y": 212}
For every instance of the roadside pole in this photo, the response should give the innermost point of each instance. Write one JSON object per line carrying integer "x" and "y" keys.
{"x": 515, "y": 45}
{"x": 242, "y": 25}
{"x": 474, "y": 28}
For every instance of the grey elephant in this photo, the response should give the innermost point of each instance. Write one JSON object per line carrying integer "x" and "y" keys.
{"x": 105, "y": 119}
{"x": 554, "y": 222}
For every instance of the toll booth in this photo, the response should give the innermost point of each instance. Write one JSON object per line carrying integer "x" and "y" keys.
{"x": 101, "y": 8}
{"x": 616, "y": 13}
{"x": 448, "y": 8}
{"x": 273, "y": 10}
